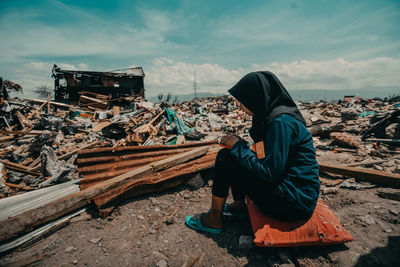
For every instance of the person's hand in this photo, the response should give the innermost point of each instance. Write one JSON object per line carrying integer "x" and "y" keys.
{"x": 229, "y": 140}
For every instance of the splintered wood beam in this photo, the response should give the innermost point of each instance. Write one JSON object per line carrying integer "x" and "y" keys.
{"x": 364, "y": 174}
{"x": 28, "y": 220}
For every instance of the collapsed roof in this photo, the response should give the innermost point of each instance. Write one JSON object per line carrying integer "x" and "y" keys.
{"x": 69, "y": 84}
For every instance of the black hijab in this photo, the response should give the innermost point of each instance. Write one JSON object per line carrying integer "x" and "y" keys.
{"x": 264, "y": 95}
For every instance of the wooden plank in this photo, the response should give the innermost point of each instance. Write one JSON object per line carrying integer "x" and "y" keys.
{"x": 364, "y": 174}
{"x": 6, "y": 138}
{"x": 20, "y": 187}
{"x": 36, "y": 111}
{"x": 48, "y": 104}
{"x": 115, "y": 111}
{"x": 66, "y": 155}
{"x": 57, "y": 104}
{"x": 22, "y": 170}
{"x": 386, "y": 141}
{"x": 100, "y": 126}
{"x": 28, "y": 220}
{"x": 12, "y": 164}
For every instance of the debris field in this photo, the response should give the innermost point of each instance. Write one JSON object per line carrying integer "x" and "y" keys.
{"x": 98, "y": 183}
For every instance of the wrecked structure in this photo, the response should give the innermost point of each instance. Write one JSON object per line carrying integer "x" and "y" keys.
{"x": 117, "y": 86}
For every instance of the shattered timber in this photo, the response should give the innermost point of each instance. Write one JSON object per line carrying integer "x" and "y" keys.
{"x": 100, "y": 149}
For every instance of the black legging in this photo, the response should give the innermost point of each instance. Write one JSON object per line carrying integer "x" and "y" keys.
{"x": 229, "y": 173}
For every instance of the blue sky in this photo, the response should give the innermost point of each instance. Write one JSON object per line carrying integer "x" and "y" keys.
{"x": 308, "y": 44}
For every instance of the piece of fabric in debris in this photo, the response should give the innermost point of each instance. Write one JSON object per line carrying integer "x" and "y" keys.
{"x": 264, "y": 95}
{"x": 58, "y": 170}
{"x": 180, "y": 127}
{"x": 289, "y": 165}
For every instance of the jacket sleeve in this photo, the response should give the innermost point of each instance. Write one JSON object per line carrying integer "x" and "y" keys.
{"x": 276, "y": 146}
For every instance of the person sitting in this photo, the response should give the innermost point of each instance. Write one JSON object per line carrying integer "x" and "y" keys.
{"x": 281, "y": 176}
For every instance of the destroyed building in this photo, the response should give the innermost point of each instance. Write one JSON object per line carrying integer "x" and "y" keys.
{"x": 118, "y": 85}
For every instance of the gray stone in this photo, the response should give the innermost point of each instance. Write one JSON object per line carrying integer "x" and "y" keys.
{"x": 153, "y": 201}
{"x": 352, "y": 184}
{"x": 75, "y": 262}
{"x": 344, "y": 258}
{"x": 394, "y": 212}
{"x": 69, "y": 249}
{"x": 95, "y": 240}
{"x": 367, "y": 219}
{"x": 329, "y": 190}
{"x": 196, "y": 182}
{"x": 169, "y": 220}
{"x": 245, "y": 242}
{"x": 159, "y": 255}
{"x": 140, "y": 217}
{"x": 162, "y": 263}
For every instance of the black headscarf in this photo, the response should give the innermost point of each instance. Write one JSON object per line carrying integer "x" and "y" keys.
{"x": 264, "y": 95}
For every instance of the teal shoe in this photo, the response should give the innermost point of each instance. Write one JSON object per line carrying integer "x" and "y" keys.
{"x": 229, "y": 213}
{"x": 194, "y": 222}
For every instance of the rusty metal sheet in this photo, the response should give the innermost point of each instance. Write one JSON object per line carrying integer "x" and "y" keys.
{"x": 95, "y": 170}
{"x": 154, "y": 183}
{"x": 105, "y": 151}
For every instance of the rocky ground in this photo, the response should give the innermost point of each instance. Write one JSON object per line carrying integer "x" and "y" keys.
{"x": 150, "y": 231}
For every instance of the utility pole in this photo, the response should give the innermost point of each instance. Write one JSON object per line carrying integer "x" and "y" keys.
{"x": 194, "y": 84}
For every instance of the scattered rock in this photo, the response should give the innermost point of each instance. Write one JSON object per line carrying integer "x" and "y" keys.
{"x": 394, "y": 212}
{"x": 140, "y": 217}
{"x": 154, "y": 201}
{"x": 75, "y": 262}
{"x": 69, "y": 249}
{"x": 245, "y": 242}
{"x": 352, "y": 184}
{"x": 169, "y": 220}
{"x": 95, "y": 240}
{"x": 196, "y": 182}
{"x": 348, "y": 259}
{"x": 329, "y": 190}
{"x": 162, "y": 263}
{"x": 367, "y": 219}
{"x": 159, "y": 255}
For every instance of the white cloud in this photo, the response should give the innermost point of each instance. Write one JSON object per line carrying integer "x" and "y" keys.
{"x": 338, "y": 73}
{"x": 166, "y": 75}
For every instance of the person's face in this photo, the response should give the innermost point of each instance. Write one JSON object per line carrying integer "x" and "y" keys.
{"x": 242, "y": 107}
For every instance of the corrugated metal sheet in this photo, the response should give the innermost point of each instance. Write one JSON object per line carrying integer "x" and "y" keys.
{"x": 18, "y": 204}
{"x": 97, "y": 165}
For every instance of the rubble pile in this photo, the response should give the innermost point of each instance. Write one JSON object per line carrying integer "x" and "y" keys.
{"x": 356, "y": 132}
{"x": 102, "y": 153}
{"x": 40, "y": 139}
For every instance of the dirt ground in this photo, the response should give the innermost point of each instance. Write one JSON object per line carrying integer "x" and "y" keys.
{"x": 150, "y": 231}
